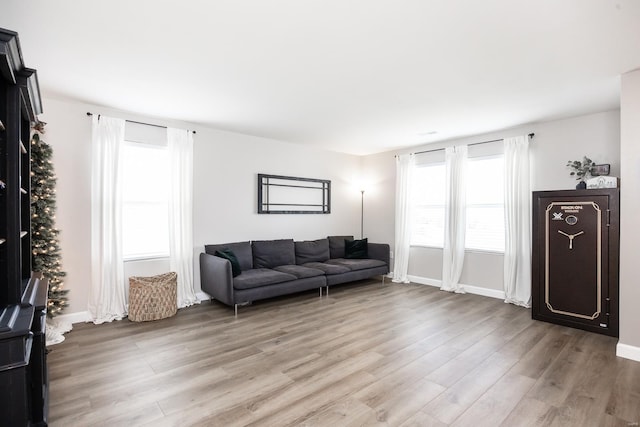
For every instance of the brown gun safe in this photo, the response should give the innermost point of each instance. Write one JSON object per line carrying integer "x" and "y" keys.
{"x": 575, "y": 258}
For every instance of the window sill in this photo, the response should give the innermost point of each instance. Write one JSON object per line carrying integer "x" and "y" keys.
{"x": 418, "y": 245}
{"x": 146, "y": 257}
{"x": 484, "y": 251}
{"x": 477, "y": 251}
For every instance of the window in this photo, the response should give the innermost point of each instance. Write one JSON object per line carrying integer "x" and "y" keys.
{"x": 145, "y": 215}
{"x": 428, "y": 208}
{"x": 485, "y": 204}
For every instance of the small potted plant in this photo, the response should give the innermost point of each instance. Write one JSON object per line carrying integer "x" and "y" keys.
{"x": 581, "y": 170}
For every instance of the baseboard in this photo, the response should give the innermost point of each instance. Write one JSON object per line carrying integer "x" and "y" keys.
{"x": 425, "y": 281}
{"x": 486, "y": 292}
{"x": 84, "y": 316}
{"x": 628, "y": 352}
{"x": 78, "y": 317}
{"x": 470, "y": 289}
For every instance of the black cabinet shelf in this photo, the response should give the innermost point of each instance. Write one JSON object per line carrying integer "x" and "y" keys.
{"x": 23, "y": 295}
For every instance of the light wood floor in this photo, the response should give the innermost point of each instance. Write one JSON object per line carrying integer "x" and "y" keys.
{"x": 368, "y": 354}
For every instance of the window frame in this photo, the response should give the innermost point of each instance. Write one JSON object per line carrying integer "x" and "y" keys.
{"x": 467, "y": 249}
{"x": 150, "y": 255}
{"x": 479, "y": 158}
{"x": 413, "y": 206}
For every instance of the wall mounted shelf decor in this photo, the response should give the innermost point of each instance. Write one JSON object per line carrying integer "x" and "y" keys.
{"x": 292, "y": 195}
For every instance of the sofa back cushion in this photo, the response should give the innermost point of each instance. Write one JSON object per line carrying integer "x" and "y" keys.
{"x": 312, "y": 251}
{"x": 272, "y": 253}
{"x": 336, "y": 245}
{"x": 242, "y": 251}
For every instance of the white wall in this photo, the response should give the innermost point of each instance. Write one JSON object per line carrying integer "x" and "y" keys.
{"x": 629, "y": 213}
{"x": 225, "y": 199}
{"x": 225, "y": 190}
{"x": 595, "y": 135}
{"x": 69, "y": 133}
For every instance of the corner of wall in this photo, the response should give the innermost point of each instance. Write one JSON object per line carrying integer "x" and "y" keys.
{"x": 628, "y": 352}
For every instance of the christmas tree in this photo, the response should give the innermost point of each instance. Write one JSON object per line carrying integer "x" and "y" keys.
{"x": 44, "y": 235}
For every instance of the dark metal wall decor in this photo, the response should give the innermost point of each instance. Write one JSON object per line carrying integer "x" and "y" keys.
{"x": 292, "y": 195}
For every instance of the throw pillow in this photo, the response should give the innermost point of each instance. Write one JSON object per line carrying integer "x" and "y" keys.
{"x": 231, "y": 257}
{"x": 356, "y": 249}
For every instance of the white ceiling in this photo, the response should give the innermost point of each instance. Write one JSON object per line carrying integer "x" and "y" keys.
{"x": 356, "y": 76}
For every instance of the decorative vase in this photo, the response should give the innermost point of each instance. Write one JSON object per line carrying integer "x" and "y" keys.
{"x": 581, "y": 185}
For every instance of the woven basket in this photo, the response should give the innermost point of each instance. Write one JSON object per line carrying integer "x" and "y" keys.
{"x": 152, "y": 298}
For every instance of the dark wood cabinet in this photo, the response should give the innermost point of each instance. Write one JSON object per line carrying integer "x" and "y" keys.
{"x": 575, "y": 258}
{"x": 23, "y": 296}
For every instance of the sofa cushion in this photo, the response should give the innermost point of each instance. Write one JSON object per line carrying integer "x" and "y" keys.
{"x": 260, "y": 277}
{"x": 336, "y": 245}
{"x": 231, "y": 257}
{"x": 356, "y": 249}
{"x": 312, "y": 251}
{"x": 242, "y": 251}
{"x": 327, "y": 268}
{"x": 299, "y": 271}
{"x": 357, "y": 264}
{"x": 272, "y": 253}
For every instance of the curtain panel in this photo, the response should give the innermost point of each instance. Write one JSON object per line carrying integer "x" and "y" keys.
{"x": 108, "y": 293}
{"x": 455, "y": 218}
{"x": 404, "y": 176}
{"x": 517, "y": 201}
{"x": 180, "y": 143}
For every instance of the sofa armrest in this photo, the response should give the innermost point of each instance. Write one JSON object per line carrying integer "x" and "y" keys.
{"x": 379, "y": 251}
{"x": 216, "y": 278}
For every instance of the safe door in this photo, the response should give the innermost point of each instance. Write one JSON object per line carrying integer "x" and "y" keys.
{"x": 575, "y": 259}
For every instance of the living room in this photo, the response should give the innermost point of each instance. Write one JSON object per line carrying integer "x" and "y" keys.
{"x": 228, "y": 156}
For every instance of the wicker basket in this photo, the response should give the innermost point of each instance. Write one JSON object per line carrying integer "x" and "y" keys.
{"x": 152, "y": 298}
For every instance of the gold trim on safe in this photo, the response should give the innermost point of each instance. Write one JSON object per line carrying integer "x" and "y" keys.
{"x": 598, "y": 267}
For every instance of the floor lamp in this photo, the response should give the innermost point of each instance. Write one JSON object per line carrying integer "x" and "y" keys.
{"x": 361, "y": 214}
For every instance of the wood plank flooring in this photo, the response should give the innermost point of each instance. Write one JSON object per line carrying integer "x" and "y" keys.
{"x": 368, "y": 354}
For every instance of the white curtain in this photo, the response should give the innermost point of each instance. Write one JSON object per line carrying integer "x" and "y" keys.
{"x": 404, "y": 173}
{"x": 180, "y": 144}
{"x": 517, "y": 205}
{"x": 455, "y": 218}
{"x": 108, "y": 293}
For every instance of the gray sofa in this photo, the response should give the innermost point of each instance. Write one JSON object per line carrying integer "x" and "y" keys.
{"x": 270, "y": 268}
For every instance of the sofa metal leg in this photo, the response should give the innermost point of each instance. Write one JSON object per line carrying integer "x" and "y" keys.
{"x": 320, "y": 291}
{"x": 327, "y": 292}
{"x": 235, "y": 309}
{"x": 383, "y": 278}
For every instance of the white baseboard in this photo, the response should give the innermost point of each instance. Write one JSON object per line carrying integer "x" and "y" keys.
{"x": 486, "y": 292}
{"x": 628, "y": 352}
{"x": 78, "y": 317}
{"x": 425, "y": 281}
{"x": 84, "y": 316}
{"x": 470, "y": 289}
